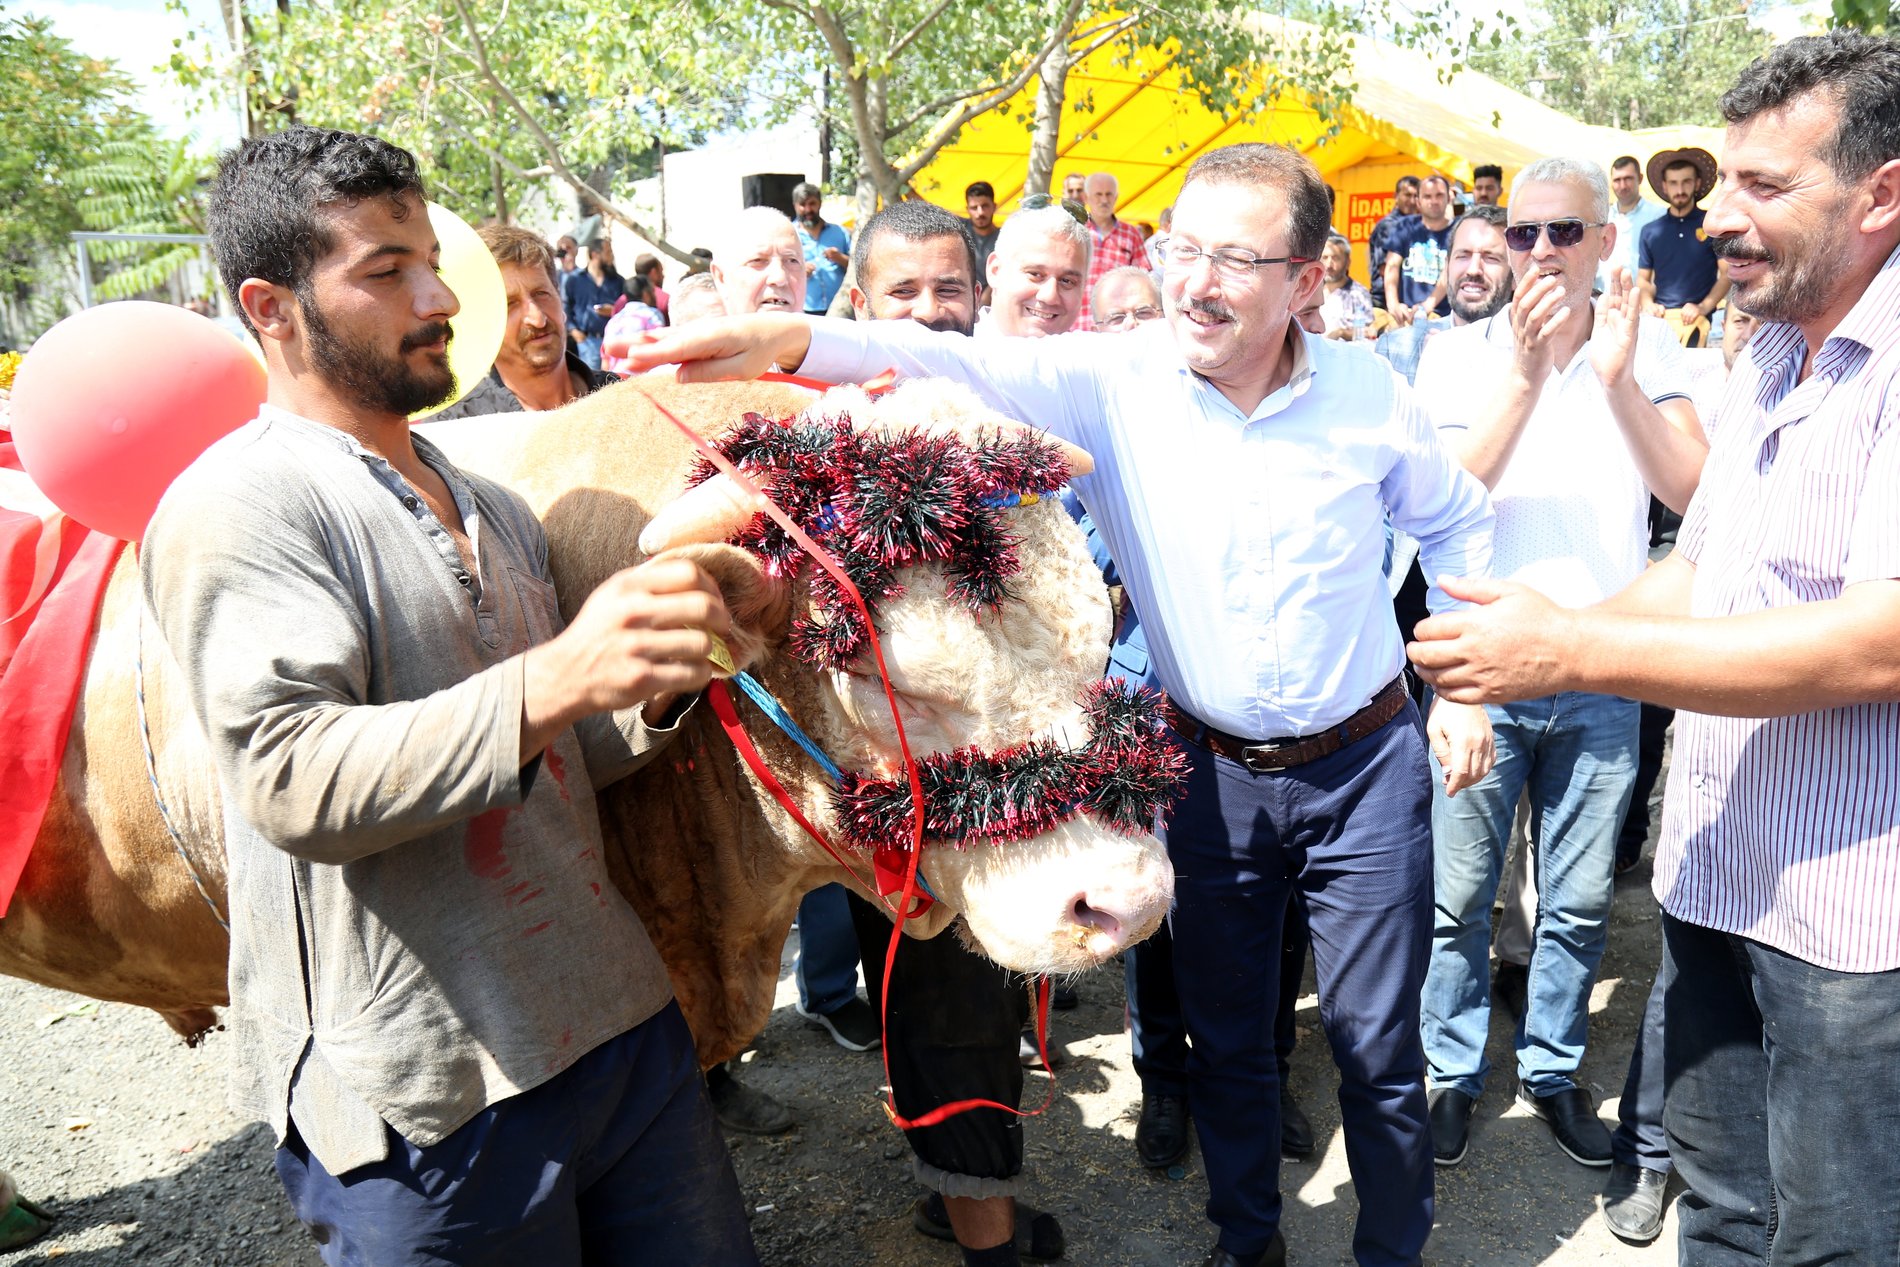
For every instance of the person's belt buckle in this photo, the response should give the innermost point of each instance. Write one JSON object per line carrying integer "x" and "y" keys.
{"x": 1258, "y": 757}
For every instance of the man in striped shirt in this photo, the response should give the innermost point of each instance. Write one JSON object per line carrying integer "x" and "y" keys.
{"x": 1113, "y": 243}
{"x": 1772, "y": 629}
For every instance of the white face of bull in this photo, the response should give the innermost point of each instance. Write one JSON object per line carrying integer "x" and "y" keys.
{"x": 1067, "y": 899}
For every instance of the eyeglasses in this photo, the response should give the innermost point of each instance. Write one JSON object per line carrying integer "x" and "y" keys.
{"x": 1134, "y": 316}
{"x": 1229, "y": 261}
{"x": 1077, "y": 212}
{"x": 1568, "y": 231}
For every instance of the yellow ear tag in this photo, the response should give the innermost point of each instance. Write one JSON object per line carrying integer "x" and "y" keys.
{"x": 721, "y": 657}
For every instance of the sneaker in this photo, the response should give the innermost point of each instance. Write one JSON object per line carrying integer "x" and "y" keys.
{"x": 1573, "y": 1120}
{"x": 854, "y": 1026}
{"x": 1633, "y": 1202}
{"x": 1038, "y": 1234}
{"x": 1031, "y": 1058}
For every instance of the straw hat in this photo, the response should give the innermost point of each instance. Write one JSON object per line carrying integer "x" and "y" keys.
{"x": 1701, "y": 159}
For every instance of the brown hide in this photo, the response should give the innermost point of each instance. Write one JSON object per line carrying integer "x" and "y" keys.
{"x": 106, "y": 907}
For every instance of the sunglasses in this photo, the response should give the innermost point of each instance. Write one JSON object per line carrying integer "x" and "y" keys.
{"x": 1077, "y": 212}
{"x": 1565, "y": 232}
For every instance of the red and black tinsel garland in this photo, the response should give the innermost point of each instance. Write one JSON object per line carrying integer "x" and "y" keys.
{"x": 1127, "y": 774}
{"x": 879, "y": 503}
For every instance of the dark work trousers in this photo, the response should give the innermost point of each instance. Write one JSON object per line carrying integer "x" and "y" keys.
{"x": 614, "y": 1160}
{"x": 951, "y": 1034}
{"x": 1351, "y": 833}
{"x": 1639, "y": 1138}
{"x": 1158, "y": 1035}
{"x": 1654, "y": 730}
{"x": 1783, "y": 1106}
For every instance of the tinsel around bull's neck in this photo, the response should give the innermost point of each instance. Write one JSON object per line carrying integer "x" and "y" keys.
{"x": 1127, "y": 774}
{"x": 879, "y": 503}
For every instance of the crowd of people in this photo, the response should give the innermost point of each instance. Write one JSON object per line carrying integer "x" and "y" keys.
{"x": 1421, "y": 622}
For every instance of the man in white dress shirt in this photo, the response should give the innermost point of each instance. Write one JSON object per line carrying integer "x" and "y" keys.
{"x": 1243, "y": 473}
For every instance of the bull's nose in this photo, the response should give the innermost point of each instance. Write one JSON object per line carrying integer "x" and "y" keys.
{"x": 1096, "y": 920}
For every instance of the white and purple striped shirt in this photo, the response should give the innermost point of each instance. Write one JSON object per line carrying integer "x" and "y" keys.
{"x": 1786, "y": 830}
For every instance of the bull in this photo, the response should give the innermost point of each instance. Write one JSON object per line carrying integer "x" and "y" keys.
{"x": 110, "y": 904}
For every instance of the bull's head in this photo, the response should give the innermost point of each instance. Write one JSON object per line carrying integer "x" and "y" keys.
{"x": 994, "y": 625}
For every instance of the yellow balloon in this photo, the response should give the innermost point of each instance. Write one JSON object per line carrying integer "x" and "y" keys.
{"x": 471, "y": 273}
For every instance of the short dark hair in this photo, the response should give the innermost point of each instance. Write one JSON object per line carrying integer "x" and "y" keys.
{"x": 1436, "y": 178}
{"x": 267, "y": 202}
{"x": 805, "y": 189}
{"x": 596, "y": 246}
{"x": 511, "y": 245}
{"x": 979, "y": 188}
{"x": 1308, "y": 209}
{"x": 911, "y": 221}
{"x": 645, "y": 263}
{"x": 1628, "y": 160}
{"x": 1492, "y": 170}
{"x": 1496, "y": 217}
{"x": 1404, "y": 181}
{"x": 1857, "y": 71}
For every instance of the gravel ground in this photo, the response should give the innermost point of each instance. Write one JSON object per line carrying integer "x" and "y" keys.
{"x": 109, "y": 1120}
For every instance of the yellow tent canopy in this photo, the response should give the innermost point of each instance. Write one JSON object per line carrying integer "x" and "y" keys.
{"x": 1139, "y": 122}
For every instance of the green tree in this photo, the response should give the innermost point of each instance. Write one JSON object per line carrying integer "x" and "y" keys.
{"x": 1876, "y": 17}
{"x": 142, "y": 182}
{"x": 1629, "y": 63}
{"x": 58, "y": 108}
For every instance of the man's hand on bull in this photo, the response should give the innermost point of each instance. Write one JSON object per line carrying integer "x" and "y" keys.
{"x": 645, "y": 636}
{"x": 1462, "y": 741}
{"x": 721, "y": 348}
{"x": 1514, "y": 644}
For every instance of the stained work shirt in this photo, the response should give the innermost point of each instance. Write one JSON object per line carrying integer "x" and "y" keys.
{"x": 420, "y": 924}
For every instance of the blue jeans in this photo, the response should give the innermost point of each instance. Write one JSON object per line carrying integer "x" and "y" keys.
{"x": 588, "y": 349}
{"x": 1783, "y": 1105}
{"x": 614, "y": 1160}
{"x": 827, "y": 963}
{"x": 1350, "y": 834}
{"x": 1576, "y": 754}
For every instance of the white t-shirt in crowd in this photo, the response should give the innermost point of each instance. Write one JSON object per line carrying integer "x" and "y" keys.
{"x": 1571, "y": 506}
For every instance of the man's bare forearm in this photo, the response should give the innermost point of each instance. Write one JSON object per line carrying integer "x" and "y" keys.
{"x": 1667, "y": 447}
{"x": 1777, "y": 663}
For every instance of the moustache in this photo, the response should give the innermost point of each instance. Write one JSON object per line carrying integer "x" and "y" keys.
{"x": 1736, "y": 249}
{"x": 1208, "y": 308}
{"x": 434, "y": 332}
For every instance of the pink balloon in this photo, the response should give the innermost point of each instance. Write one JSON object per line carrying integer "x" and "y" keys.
{"x": 113, "y": 402}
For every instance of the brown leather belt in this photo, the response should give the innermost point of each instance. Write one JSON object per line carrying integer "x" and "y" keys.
{"x": 1283, "y": 754}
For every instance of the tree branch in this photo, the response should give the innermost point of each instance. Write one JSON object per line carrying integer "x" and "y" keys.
{"x": 1058, "y": 34}
{"x": 552, "y": 150}
{"x": 909, "y": 36}
{"x": 520, "y": 173}
{"x": 1108, "y": 35}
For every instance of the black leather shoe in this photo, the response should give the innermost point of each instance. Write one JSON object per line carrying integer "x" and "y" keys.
{"x": 1296, "y": 1132}
{"x": 1633, "y": 1202}
{"x": 1063, "y": 998}
{"x": 1274, "y": 1255}
{"x": 1161, "y": 1136}
{"x": 1510, "y": 985}
{"x": 744, "y": 1109}
{"x": 1573, "y": 1119}
{"x": 1449, "y": 1112}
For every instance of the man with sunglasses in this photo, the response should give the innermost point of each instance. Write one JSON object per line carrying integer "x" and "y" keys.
{"x": 1243, "y": 473}
{"x": 1589, "y": 413}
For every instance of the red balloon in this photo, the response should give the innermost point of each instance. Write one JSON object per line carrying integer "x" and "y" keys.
{"x": 113, "y": 402}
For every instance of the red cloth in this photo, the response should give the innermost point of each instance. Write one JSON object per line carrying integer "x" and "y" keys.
{"x": 1121, "y": 244}
{"x": 42, "y": 654}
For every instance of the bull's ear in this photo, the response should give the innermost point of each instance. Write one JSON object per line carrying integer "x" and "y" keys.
{"x": 760, "y": 605}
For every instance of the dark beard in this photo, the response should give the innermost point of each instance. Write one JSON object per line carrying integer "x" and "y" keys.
{"x": 371, "y": 378}
{"x": 1797, "y": 288}
{"x": 1492, "y": 305}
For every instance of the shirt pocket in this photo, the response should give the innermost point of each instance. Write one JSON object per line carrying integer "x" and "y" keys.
{"x": 540, "y": 610}
{"x": 1809, "y": 528}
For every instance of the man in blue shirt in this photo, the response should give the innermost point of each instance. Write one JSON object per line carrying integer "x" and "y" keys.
{"x": 1404, "y": 206}
{"x": 589, "y": 299}
{"x": 1674, "y": 262}
{"x": 827, "y": 249}
{"x": 1243, "y": 474}
{"x": 1415, "y": 251}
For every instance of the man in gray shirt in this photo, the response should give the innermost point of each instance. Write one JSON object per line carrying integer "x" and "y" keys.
{"x": 458, "y": 1030}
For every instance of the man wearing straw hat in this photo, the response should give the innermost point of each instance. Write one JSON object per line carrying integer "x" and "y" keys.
{"x": 1674, "y": 261}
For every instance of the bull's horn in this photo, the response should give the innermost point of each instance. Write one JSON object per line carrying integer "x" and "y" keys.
{"x": 712, "y": 511}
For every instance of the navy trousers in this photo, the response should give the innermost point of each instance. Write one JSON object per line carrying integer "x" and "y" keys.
{"x": 1351, "y": 834}
{"x": 615, "y": 1160}
{"x": 1640, "y": 1139}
